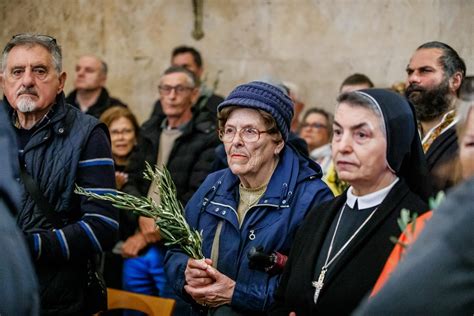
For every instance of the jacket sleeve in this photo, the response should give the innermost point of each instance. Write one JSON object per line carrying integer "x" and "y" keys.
{"x": 96, "y": 228}
{"x": 280, "y": 306}
{"x": 201, "y": 168}
{"x": 175, "y": 259}
{"x": 257, "y": 297}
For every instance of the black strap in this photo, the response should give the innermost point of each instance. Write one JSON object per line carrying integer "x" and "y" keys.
{"x": 37, "y": 196}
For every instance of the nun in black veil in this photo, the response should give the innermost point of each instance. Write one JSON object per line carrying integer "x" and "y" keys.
{"x": 343, "y": 244}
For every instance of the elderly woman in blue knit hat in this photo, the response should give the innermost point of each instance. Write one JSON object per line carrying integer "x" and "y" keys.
{"x": 249, "y": 212}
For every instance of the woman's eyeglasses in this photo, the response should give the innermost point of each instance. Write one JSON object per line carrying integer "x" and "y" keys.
{"x": 247, "y": 134}
{"x": 313, "y": 125}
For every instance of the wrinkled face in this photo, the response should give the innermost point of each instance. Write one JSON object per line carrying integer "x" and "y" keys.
{"x": 89, "y": 74}
{"x": 466, "y": 150}
{"x": 427, "y": 86}
{"x": 186, "y": 60}
{"x": 248, "y": 159}
{"x": 315, "y": 130}
{"x": 358, "y": 146}
{"x": 177, "y": 101}
{"x": 30, "y": 81}
{"x": 122, "y": 134}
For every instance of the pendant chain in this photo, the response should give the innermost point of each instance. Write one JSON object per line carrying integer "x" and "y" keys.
{"x": 319, "y": 284}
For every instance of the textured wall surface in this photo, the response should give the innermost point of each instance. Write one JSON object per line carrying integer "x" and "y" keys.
{"x": 314, "y": 43}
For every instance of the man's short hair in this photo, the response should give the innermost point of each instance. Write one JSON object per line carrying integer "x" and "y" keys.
{"x": 449, "y": 60}
{"x": 30, "y": 40}
{"x": 192, "y": 79}
{"x": 188, "y": 49}
{"x": 357, "y": 79}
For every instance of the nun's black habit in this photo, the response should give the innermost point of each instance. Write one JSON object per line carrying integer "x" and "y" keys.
{"x": 353, "y": 274}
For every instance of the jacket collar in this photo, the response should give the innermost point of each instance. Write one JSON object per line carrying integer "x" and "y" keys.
{"x": 55, "y": 114}
{"x": 292, "y": 169}
{"x": 100, "y": 104}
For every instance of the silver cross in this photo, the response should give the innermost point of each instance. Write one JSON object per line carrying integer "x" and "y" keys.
{"x": 319, "y": 284}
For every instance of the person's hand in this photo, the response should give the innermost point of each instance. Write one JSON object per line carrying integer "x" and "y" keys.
{"x": 196, "y": 272}
{"x": 292, "y": 314}
{"x": 149, "y": 229}
{"x": 132, "y": 246}
{"x": 120, "y": 179}
{"x": 218, "y": 293}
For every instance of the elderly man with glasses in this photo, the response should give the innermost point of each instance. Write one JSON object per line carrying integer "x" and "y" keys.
{"x": 58, "y": 147}
{"x": 183, "y": 140}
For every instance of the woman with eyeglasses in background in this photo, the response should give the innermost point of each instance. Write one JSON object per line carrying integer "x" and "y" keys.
{"x": 248, "y": 213}
{"x": 123, "y": 128}
{"x": 316, "y": 130}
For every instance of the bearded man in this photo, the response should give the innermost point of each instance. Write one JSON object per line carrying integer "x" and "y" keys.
{"x": 434, "y": 74}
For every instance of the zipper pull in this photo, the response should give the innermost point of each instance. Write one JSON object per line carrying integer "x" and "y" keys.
{"x": 252, "y": 235}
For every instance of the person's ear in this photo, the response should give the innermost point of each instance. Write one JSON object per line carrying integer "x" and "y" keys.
{"x": 279, "y": 147}
{"x": 455, "y": 82}
{"x": 62, "y": 81}
{"x": 195, "y": 95}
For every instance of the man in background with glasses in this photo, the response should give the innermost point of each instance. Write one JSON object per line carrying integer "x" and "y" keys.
{"x": 182, "y": 139}
{"x": 188, "y": 57}
{"x": 59, "y": 147}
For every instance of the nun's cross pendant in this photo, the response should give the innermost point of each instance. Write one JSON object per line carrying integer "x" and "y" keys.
{"x": 319, "y": 284}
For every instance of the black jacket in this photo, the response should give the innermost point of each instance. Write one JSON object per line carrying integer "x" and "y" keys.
{"x": 104, "y": 102}
{"x": 439, "y": 156}
{"x": 53, "y": 157}
{"x": 190, "y": 160}
{"x": 353, "y": 275}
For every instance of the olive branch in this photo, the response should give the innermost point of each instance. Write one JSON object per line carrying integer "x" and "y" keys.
{"x": 168, "y": 213}
{"x": 407, "y": 220}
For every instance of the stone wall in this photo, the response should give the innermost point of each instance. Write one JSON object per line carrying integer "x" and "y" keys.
{"x": 314, "y": 43}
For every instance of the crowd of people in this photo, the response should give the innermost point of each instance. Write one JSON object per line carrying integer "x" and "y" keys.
{"x": 299, "y": 212}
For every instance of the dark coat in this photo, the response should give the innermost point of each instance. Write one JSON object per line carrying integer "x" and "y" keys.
{"x": 104, "y": 102}
{"x": 353, "y": 275}
{"x": 52, "y": 158}
{"x": 442, "y": 151}
{"x": 190, "y": 160}
{"x": 17, "y": 278}
{"x": 294, "y": 188}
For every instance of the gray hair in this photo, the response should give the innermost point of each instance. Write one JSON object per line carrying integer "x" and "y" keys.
{"x": 30, "y": 40}
{"x": 363, "y": 100}
{"x": 193, "y": 81}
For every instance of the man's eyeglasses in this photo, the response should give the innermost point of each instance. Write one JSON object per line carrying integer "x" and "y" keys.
{"x": 165, "y": 89}
{"x": 41, "y": 37}
{"x": 313, "y": 125}
{"x": 247, "y": 134}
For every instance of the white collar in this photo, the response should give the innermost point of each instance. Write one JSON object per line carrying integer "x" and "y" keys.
{"x": 369, "y": 200}
{"x": 321, "y": 152}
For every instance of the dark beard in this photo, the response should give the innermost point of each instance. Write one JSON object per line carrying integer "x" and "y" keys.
{"x": 429, "y": 103}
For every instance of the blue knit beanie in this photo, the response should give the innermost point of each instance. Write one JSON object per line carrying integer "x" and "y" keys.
{"x": 266, "y": 97}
